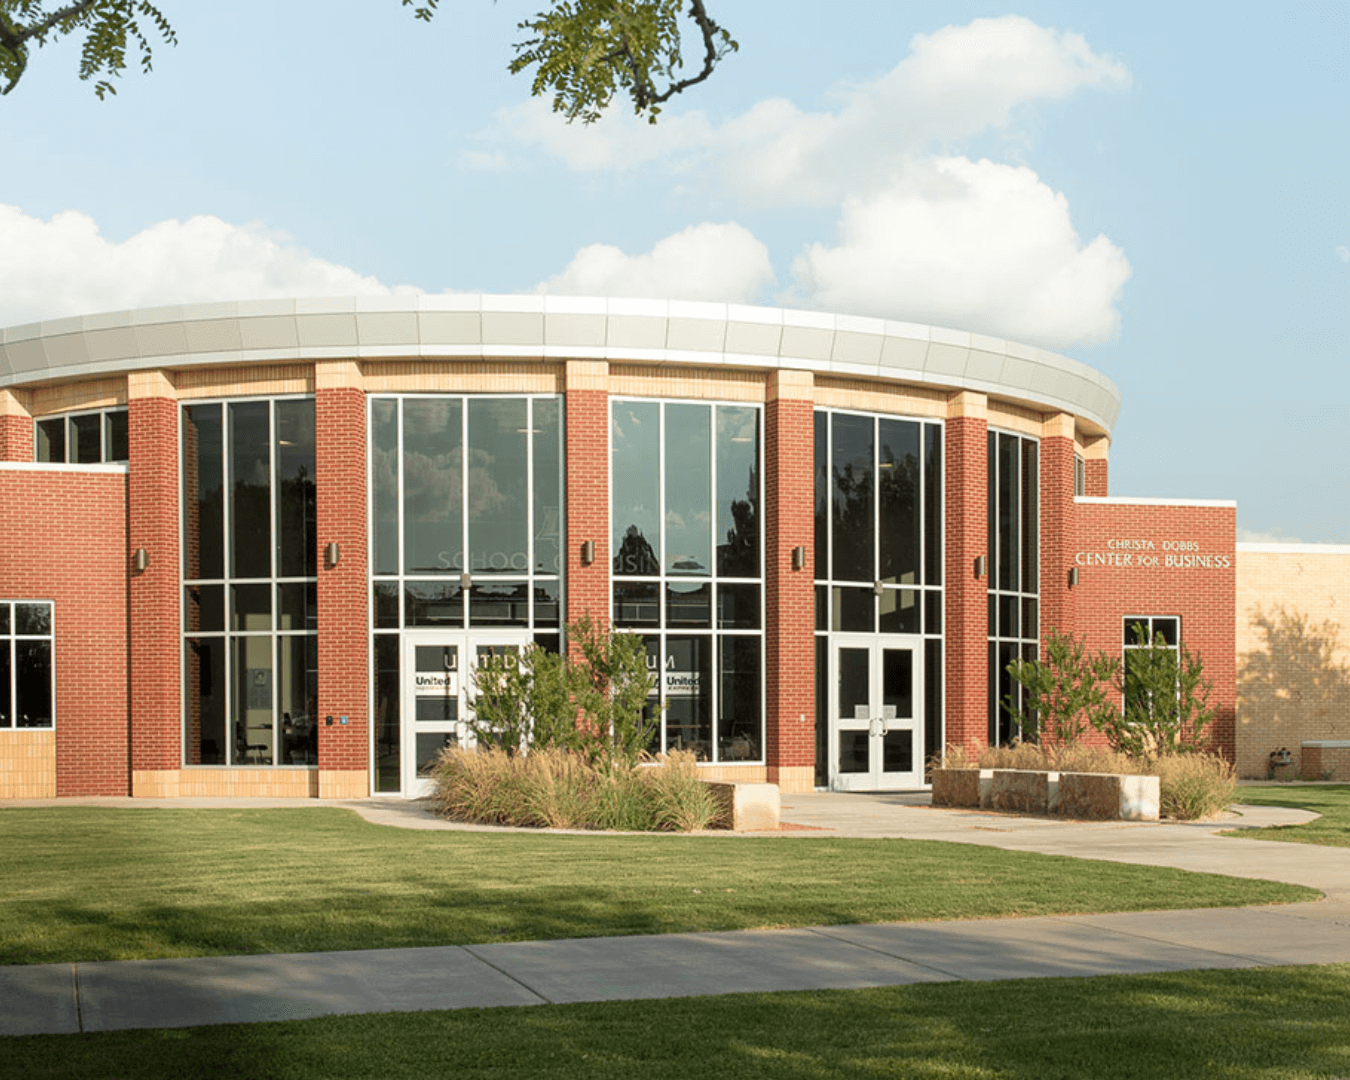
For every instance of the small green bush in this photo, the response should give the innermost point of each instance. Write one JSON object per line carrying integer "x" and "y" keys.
{"x": 563, "y": 790}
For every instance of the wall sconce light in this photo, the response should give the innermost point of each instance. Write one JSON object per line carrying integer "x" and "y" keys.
{"x": 140, "y": 560}
{"x": 878, "y": 587}
{"x": 587, "y": 552}
{"x": 981, "y": 564}
{"x": 466, "y": 581}
{"x": 799, "y": 557}
{"x": 1073, "y": 576}
{"x": 331, "y": 554}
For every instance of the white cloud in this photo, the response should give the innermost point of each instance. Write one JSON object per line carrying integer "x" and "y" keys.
{"x": 976, "y": 245}
{"x": 1343, "y": 253}
{"x": 1251, "y": 536}
{"x": 722, "y": 262}
{"x": 64, "y": 267}
{"x": 955, "y": 83}
{"x": 483, "y": 160}
{"x": 619, "y": 141}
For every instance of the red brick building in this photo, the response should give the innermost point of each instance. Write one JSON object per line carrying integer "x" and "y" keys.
{"x": 256, "y": 548}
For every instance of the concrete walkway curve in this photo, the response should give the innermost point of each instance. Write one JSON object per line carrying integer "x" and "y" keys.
{"x": 104, "y": 996}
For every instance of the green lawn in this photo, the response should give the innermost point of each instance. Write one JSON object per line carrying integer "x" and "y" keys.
{"x": 1261, "y": 1024}
{"x": 1333, "y": 803}
{"x": 79, "y": 883}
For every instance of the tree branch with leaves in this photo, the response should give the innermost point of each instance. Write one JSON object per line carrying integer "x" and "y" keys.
{"x": 587, "y": 52}
{"x": 111, "y": 27}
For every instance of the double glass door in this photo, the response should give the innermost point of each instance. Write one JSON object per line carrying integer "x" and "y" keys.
{"x": 438, "y": 695}
{"x": 876, "y": 710}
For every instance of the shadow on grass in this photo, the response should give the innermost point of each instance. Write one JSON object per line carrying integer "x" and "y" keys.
{"x": 134, "y": 884}
{"x": 1266, "y": 1023}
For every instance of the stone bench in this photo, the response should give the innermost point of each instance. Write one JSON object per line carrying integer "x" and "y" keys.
{"x": 1090, "y": 796}
{"x": 748, "y": 807}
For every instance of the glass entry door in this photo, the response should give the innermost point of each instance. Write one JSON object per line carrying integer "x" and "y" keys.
{"x": 438, "y": 693}
{"x": 876, "y": 705}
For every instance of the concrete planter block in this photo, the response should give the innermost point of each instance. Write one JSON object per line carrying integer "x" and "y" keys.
{"x": 1022, "y": 791}
{"x": 961, "y": 787}
{"x": 748, "y": 807}
{"x": 1108, "y": 797}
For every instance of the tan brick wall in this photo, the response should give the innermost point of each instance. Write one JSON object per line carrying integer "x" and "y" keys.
{"x": 213, "y": 783}
{"x": 27, "y": 764}
{"x": 1293, "y": 652}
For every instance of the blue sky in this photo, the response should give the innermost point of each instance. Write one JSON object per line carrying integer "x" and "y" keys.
{"x": 1159, "y": 191}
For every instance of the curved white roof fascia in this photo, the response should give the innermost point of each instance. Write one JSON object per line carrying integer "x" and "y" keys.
{"x": 538, "y": 327}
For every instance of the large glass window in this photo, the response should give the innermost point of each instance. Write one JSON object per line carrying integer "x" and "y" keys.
{"x": 250, "y": 583}
{"x": 466, "y": 530}
{"x": 688, "y": 557}
{"x": 84, "y": 438}
{"x": 1152, "y": 647}
{"x": 1014, "y": 571}
{"x": 878, "y": 534}
{"x": 27, "y": 691}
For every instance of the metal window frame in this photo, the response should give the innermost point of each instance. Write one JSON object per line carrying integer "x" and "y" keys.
{"x": 273, "y": 581}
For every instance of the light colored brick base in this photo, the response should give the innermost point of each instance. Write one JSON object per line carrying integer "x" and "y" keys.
{"x": 27, "y": 764}
{"x": 734, "y": 774}
{"x": 794, "y": 779}
{"x": 343, "y": 784}
{"x": 210, "y": 783}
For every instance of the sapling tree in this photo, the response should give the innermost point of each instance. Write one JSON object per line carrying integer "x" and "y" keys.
{"x": 1166, "y": 697}
{"x": 595, "y": 704}
{"x": 1065, "y": 694}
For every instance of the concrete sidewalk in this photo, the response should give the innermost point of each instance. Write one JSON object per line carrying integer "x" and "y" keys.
{"x": 105, "y": 996}
{"x": 110, "y": 996}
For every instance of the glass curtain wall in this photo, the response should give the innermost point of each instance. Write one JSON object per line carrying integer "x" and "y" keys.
{"x": 1014, "y": 569}
{"x": 688, "y": 567}
{"x": 85, "y": 438}
{"x": 878, "y": 545}
{"x": 250, "y": 583}
{"x": 466, "y": 529}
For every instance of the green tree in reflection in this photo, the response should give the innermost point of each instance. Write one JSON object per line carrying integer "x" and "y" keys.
{"x": 853, "y": 525}
{"x": 739, "y": 556}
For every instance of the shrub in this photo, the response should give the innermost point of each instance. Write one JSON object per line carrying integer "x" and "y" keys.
{"x": 1064, "y": 694}
{"x": 595, "y": 706}
{"x": 1166, "y": 700}
{"x": 1194, "y": 785}
{"x": 561, "y": 789}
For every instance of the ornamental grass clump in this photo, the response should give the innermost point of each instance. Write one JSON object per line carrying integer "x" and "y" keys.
{"x": 1190, "y": 785}
{"x": 1193, "y": 786}
{"x": 561, "y": 789}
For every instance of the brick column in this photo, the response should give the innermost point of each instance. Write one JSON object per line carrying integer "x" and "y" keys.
{"x": 1094, "y": 467}
{"x": 154, "y": 594}
{"x": 586, "y": 405}
{"x": 1057, "y": 525}
{"x": 967, "y": 634}
{"x": 16, "y": 428}
{"x": 344, "y": 589}
{"x": 789, "y": 639}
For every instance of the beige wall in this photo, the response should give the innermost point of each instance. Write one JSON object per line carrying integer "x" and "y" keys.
{"x": 27, "y": 764}
{"x": 1293, "y": 652}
